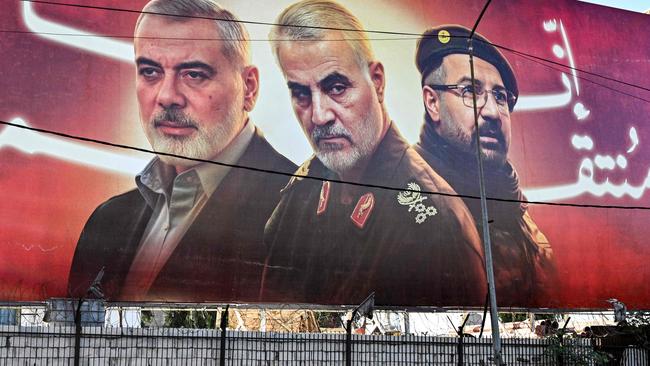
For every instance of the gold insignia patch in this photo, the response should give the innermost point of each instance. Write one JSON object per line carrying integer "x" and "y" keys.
{"x": 444, "y": 36}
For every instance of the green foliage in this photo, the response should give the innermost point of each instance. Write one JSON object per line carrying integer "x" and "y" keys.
{"x": 146, "y": 318}
{"x": 638, "y": 319}
{"x": 190, "y": 319}
{"x": 329, "y": 319}
{"x": 549, "y": 316}
{"x": 638, "y": 323}
{"x": 512, "y": 317}
{"x": 565, "y": 349}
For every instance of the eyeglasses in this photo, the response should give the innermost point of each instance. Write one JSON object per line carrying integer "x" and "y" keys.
{"x": 503, "y": 97}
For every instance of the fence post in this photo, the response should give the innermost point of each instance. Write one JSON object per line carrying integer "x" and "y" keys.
{"x": 224, "y": 325}
{"x": 77, "y": 331}
{"x": 364, "y": 309}
{"x": 561, "y": 332}
{"x": 348, "y": 342}
{"x": 460, "y": 349}
{"x": 460, "y": 331}
{"x": 95, "y": 289}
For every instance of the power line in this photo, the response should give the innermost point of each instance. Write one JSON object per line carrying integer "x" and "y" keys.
{"x": 218, "y": 19}
{"x": 415, "y": 35}
{"x": 255, "y": 169}
{"x": 572, "y": 68}
{"x": 205, "y": 39}
{"x": 529, "y": 57}
{"x": 540, "y": 62}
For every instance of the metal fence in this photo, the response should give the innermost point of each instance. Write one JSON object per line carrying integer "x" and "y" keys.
{"x": 55, "y": 345}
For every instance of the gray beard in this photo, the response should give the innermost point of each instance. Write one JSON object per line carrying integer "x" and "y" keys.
{"x": 207, "y": 141}
{"x": 342, "y": 161}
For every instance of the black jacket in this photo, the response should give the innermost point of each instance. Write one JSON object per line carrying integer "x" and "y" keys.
{"x": 220, "y": 257}
{"x": 523, "y": 260}
{"x": 412, "y": 249}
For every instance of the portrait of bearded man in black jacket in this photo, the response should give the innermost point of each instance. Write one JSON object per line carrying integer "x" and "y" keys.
{"x": 523, "y": 261}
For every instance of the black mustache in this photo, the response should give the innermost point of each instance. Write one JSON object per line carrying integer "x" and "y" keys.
{"x": 489, "y": 130}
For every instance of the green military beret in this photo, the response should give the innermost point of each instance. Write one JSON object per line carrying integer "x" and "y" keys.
{"x": 438, "y": 42}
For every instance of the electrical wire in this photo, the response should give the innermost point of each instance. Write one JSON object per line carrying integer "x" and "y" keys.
{"x": 570, "y": 68}
{"x": 530, "y": 57}
{"x": 251, "y": 22}
{"x": 207, "y": 39}
{"x": 415, "y": 35}
{"x": 518, "y": 53}
{"x": 541, "y": 62}
{"x": 255, "y": 169}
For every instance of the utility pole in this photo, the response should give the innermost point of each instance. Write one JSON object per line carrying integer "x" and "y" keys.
{"x": 489, "y": 269}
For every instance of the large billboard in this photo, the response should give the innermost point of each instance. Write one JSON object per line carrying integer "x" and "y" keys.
{"x": 326, "y": 163}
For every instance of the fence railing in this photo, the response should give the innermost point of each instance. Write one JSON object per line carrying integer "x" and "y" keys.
{"x": 54, "y": 345}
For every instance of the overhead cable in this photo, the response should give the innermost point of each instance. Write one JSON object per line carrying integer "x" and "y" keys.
{"x": 269, "y": 171}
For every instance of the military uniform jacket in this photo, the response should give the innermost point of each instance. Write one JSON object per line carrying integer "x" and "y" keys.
{"x": 220, "y": 257}
{"x": 410, "y": 248}
{"x": 523, "y": 263}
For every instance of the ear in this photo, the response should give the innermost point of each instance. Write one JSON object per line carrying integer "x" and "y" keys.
{"x": 431, "y": 103}
{"x": 251, "y": 77}
{"x": 378, "y": 78}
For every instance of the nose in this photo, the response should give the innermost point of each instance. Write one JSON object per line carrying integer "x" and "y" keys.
{"x": 169, "y": 94}
{"x": 321, "y": 113}
{"x": 490, "y": 111}
{"x": 491, "y": 117}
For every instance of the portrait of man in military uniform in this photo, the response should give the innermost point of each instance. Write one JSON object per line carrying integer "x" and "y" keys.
{"x": 336, "y": 234}
{"x": 522, "y": 255}
{"x": 192, "y": 230}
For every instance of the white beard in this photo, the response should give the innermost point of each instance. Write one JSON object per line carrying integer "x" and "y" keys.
{"x": 208, "y": 141}
{"x": 340, "y": 161}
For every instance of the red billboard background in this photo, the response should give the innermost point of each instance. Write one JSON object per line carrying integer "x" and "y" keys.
{"x": 583, "y": 142}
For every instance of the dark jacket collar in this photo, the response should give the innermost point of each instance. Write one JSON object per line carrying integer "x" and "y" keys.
{"x": 460, "y": 170}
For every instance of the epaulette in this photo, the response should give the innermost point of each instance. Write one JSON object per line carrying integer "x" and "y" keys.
{"x": 302, "y": 171}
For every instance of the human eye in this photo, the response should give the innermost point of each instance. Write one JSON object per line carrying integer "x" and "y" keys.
{"x": 302, "y": 96}
{"x": 337, "y": 89}
{"x": 195, "y": 76}
{"x": 149, "y": 73}
{"x": 469, "y": 89}
{"x": 501, "y": 96}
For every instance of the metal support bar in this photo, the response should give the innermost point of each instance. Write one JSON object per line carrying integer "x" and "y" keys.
{"x": 459, "y": 347}
{"x": 485, "y": 309}
{"x": 494, "y": 318}
{"x": 77, "y": 331}
{"x": 222, "y": 348}
{"x": 95, "y": 289}
{"x": 364, "y": 309}
{"x": 348, "y": 341}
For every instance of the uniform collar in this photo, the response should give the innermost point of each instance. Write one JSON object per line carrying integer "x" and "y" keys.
{"x": 387, "y": 157}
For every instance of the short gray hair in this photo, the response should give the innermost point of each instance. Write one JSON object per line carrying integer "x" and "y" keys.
{"x": 437, "y": 76}
{"x": 312, "y": 19}
{"x": 233, "y": 33}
